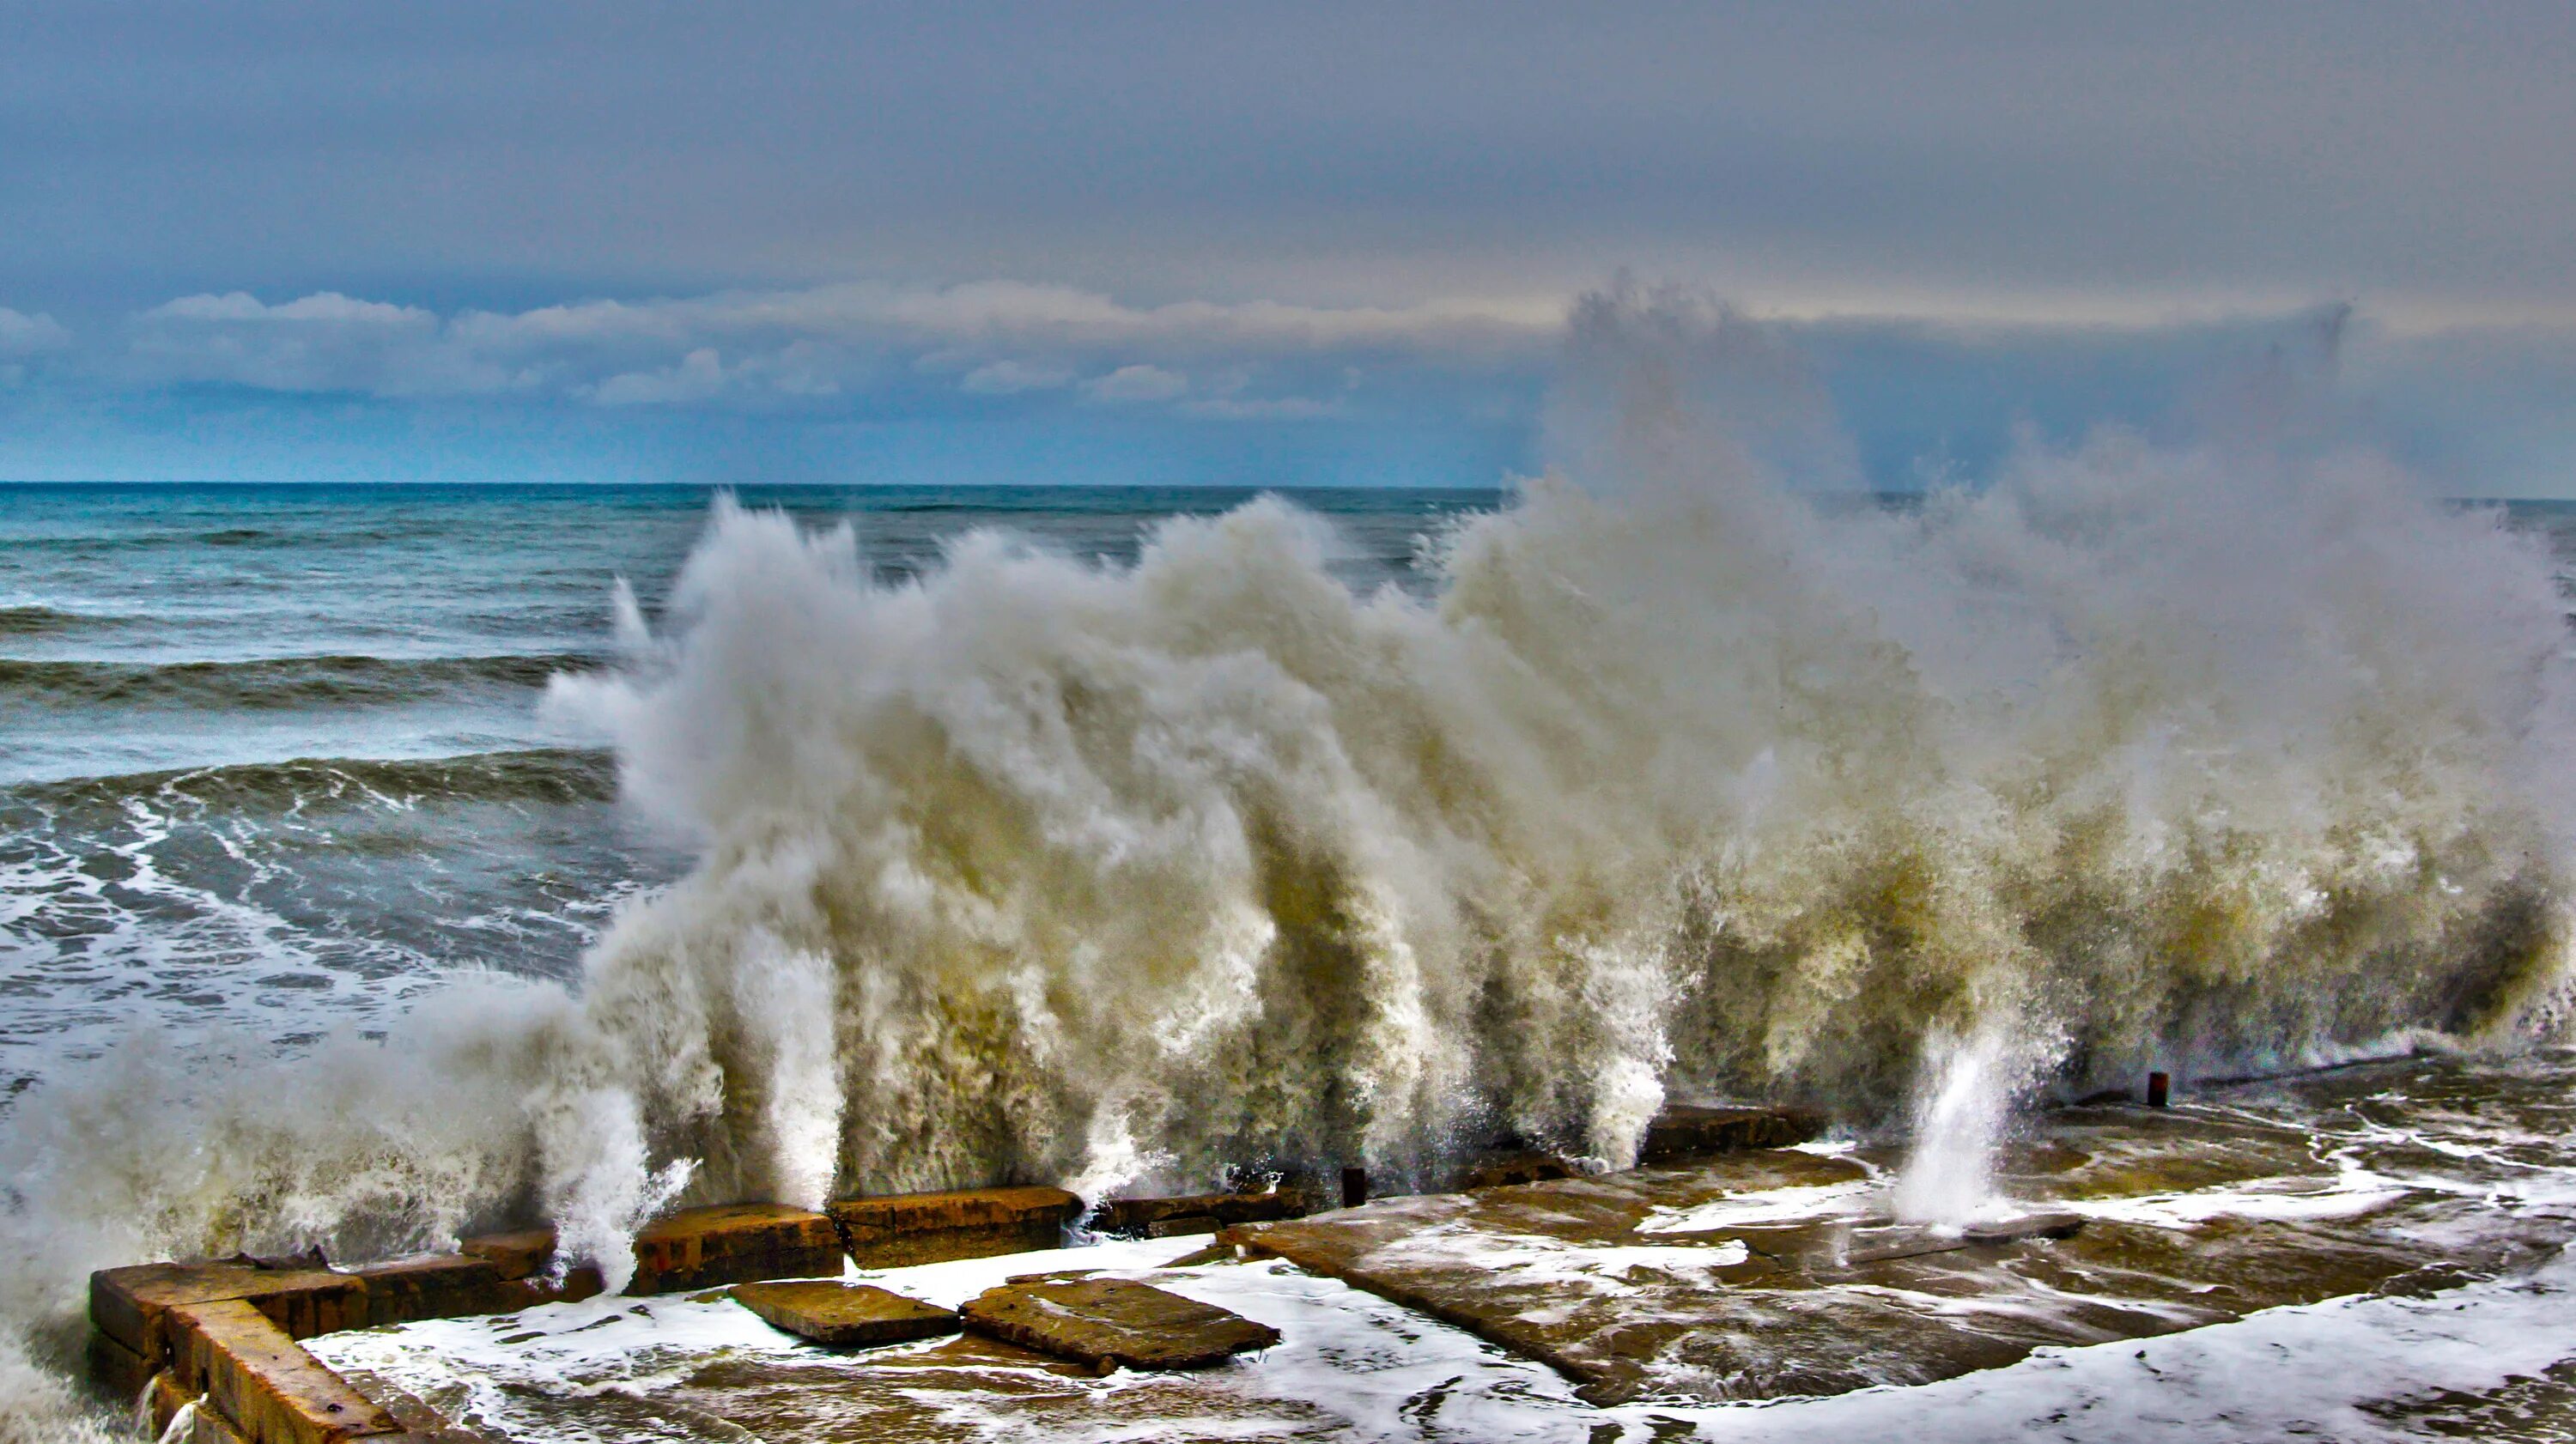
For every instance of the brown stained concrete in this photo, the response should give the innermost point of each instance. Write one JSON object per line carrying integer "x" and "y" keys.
{"x": 265, "y": 1384}
{"x": 439, "y": 1286}
{"x": 128, "y": 1304}
{"x": 1844, "y": 1298}
{"x": 1824, "y": 1298}
{"x": 703, "y": 1248}
{"x": 513, "y": 1255}
{"x": 118, "y": 1369}
{"x": 1109, "y": 1324}
{"x": 1692, "y": 1130}
{"x": 965, "y": 1388}
{"x": 902, "y": 1229}
{"x": 843, "y": 1315}
{"x": 1193, "y": 1213}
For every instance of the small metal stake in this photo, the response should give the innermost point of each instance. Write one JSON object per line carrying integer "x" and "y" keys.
{"x": 2159, "y": 1089}
{"x": 1354, "y": 1187}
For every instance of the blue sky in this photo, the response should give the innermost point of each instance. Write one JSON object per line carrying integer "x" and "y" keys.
{"x": 1309, "y": 244}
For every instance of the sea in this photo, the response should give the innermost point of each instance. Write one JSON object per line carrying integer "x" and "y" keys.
{"x": 273, "y": 757}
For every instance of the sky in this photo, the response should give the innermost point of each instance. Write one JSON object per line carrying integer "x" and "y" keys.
{"x": 1310, "y": 244}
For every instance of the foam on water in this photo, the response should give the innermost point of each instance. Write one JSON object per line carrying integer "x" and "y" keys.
{"x": 2210, "y": 757}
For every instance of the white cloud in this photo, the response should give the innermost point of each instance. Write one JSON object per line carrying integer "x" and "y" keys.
{"x": 326, "y": 307}
{"x": 1003, "y": 336}
{"x": 699, "y": 376}
{"x": 322, "y": 342}
{"x": 1263, "y": 408}
{"x": 1006, "y": 376}
{"x": 1136, "y": 383}
{"x": 23, "y": 335}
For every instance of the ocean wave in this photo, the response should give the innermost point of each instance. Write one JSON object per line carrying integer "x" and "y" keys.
{"x": 274, "y": 682}
{"x": 531, "y": 775}
{"x": 35, "y": 620}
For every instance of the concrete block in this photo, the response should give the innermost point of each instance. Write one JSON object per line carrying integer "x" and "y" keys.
{"x": 210, "y": 1427}
{"x": 162, "y": 1401}
{"x": 2028, "y": 1226}
{"x": 1157, "y": 1217}
{"x": 844, "y": 1315}
{"x": 441, "y": 1286}
{"x": 734, "y": 1243}
{"x": 265, "y": 1384}
{"x": 897, "y": 1230}
{"x": 1108, "y": 1324}
{"x": 516, "y": 1254}
{"x": 117, "y": 1369}
{"x": 1686, "y": 1130}
{"x": 1505, "y": 1170}
{"x": 127, "y": 1304}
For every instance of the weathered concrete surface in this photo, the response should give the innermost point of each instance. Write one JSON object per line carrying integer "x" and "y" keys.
{"x": 1194, "y": 1213}
{"x": 1770, "y": 1273}
{"x": 264, "y": 1382}
{"x": 162, "y": 1401}
{"x": 733, "y": 1243}
{"x": 1690, "y": 1130}
{"x": 129, "y": 1305}
{"x": 1506, "y": 1169}
{"x": 845, "y": 1315}
{"x": 526, "y": 1259}
{"x": 901, "y": 1229}
{"x": 438, "y": 1286}
{"x": 1108, "y": 1324}
{"x": 964, "y": 1389}
{"x": 517, "y": 1254}
{"x": 209, "y": 1427}
{"x": 2048, "y": 1224}
{"x": 117, "y": 1369}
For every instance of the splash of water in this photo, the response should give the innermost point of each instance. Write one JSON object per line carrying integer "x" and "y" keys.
{"x": 1959, "y": 1116}
{"x": 2234, "y": 754}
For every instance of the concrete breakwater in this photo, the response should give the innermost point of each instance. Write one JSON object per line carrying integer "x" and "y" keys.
{"x": 2155, "y": 1253}
{"x": 220, "y": 1342}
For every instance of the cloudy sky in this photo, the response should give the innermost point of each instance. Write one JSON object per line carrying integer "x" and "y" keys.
{"x": 1205, "y": 242}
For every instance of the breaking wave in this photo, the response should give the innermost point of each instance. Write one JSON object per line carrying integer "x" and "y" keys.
{"x": 2210, "y": 757}
{"x": 32, "y": 620}
{"x": 271, "y": 682}
{"x": 533, "y": 775}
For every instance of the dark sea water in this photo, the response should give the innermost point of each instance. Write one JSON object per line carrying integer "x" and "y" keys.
{"x": 272, "y": 757}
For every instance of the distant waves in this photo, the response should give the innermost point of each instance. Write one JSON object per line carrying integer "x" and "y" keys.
{"x": 271, "y": 682}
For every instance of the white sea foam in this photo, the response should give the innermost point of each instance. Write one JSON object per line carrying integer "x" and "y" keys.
{"x": 1770, "y": 1207}
{"x": 2201, "y": 756}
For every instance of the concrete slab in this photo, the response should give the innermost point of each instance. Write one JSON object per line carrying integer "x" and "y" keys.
{"x": 1690, "y": 1130}
{"x": 265, "y": 1384}
{"x": 845, "y": 1315}
{"x": 516, "y": 1254}
{"x": 438, "y": 1286}
{"x": 118, "y": 1369}
{"x": 1108, "y": 1324}
{"x": 129, "y": 1305}
{"x": 1193, "y": 1213}
{"x": 1772, "y": 1273}
{"x": 902, "y": 1229}
{"x": 733, "y": 1243}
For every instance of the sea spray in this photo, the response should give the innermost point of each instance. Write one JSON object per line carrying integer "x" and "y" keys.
{"x": 1959, "y": 1116}
{"x": 1027, "y": 867}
